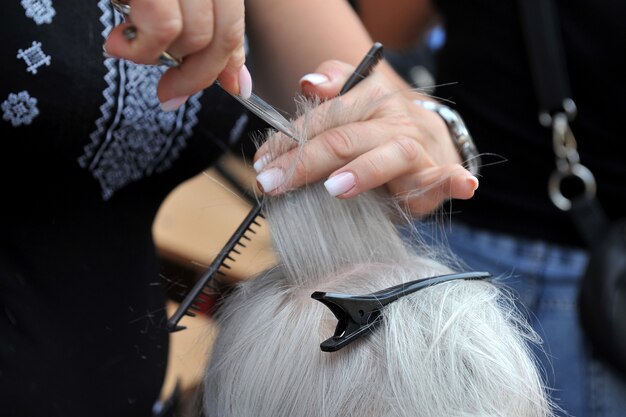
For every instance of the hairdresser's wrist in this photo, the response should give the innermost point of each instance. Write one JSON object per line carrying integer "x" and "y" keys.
{"x": 435, "y": 135}
{"x": 458, "y": 133}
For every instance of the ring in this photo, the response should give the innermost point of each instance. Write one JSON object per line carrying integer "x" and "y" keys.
{"x": 169, "y": 60}
{"x": 121, "y": 7}
{"x": 166, "y": 58}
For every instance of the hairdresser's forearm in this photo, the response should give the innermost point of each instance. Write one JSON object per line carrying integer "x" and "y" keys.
{"x": 398, "y": 24}
{"x": 290, "y": 38}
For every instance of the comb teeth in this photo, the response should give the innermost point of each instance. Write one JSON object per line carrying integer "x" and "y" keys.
{"x": 207, "y": 281}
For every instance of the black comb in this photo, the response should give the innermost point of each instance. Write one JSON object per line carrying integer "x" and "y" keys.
{"x": 205, "y": 286}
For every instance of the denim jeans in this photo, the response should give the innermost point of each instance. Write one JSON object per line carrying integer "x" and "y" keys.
{"x": 546, "y": 277}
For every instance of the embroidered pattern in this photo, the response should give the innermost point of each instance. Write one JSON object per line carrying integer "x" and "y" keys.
{"x": 133, "y": 137}
{"x": 20, "y": 109}
{"x": 41, "y": 11}
{"x": 34, "y": 57}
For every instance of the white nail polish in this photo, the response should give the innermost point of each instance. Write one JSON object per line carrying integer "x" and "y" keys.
{"x": 314, "y": 78}
{"x": 173, "y": 104}
{"x": 261, "y": 163}
{"x": 271, "y": 179}
{"x": 245, "y": 83}
{"x": 340, "y": 183}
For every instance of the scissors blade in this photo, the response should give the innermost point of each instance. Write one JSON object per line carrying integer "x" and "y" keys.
{"x": 271, "y": 116}
{"x": 267, "y": 113}
{"x": 121, "y": 7}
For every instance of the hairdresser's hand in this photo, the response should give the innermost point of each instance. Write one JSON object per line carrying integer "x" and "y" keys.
{"x": 364, "y": 139}
{"x": 208, "y": 35}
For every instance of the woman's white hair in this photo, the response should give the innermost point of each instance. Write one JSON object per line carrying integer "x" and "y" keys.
{"x": 453, "y": 349}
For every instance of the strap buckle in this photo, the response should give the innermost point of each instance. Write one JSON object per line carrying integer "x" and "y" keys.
{"x": 567, "y": 161}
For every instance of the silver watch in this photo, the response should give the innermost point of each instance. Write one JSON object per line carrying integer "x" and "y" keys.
{"x": 458, "y": 132}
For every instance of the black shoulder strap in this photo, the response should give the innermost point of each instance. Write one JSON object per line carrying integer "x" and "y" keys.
{"x": 544, "y": 45}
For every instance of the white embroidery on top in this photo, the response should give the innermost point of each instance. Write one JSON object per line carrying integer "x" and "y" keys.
{"x": 133, "y": 137}
{"x": 20, "y": 109}
{"x": 41, "y": 11}
{"x": 34, "y": 57}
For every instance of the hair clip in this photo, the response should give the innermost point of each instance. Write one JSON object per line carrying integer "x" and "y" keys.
{"x": 357, "y": 314}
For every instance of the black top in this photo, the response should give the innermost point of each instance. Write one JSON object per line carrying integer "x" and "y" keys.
{"x": 486, "y": 58}
{"x": 86, "y": 158}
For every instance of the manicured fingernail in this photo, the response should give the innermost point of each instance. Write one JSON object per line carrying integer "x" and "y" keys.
{"x": 130, "y": 33}
{"x": 313, "y": 78}
{"x": 173, "y": 104}
{"x": 271, "y": 179}
{"x": 245, "y": 83}
{"x": 261, "y": 162}
{"x": 340, "y": 183}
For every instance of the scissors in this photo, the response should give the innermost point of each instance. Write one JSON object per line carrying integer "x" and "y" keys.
{"x": 256, "y": 104}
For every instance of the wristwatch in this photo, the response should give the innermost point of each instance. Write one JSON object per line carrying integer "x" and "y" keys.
{"x": 458, "y": 132}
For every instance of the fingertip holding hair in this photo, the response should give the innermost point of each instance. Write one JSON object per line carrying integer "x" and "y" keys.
{"x": 340, "y": 184}
{"x": 269, "y": 180}
{"x": 314, "y": 79}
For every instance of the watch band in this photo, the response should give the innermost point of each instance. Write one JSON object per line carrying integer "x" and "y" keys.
{"x": 458, "y": 132}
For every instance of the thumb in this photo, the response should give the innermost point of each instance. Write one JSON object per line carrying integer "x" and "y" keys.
{"x": 327, "y": 80}
{"x": 235, "y": 77}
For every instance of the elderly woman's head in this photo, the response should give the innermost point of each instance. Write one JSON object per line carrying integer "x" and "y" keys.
{"x": 454, "y": 349}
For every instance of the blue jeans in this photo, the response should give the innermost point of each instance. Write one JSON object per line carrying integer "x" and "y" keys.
{"x": 546, "y": 277}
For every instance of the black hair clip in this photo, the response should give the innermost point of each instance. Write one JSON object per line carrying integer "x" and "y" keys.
{"x": 357, "y": 314}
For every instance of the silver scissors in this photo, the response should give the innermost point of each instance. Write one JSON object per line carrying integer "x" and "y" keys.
{"x": 255, "y": 104}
